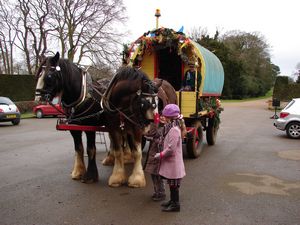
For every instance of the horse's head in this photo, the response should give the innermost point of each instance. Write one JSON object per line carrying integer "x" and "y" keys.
{"x": 149, "y": 99}
{"x": 49, "y": 79}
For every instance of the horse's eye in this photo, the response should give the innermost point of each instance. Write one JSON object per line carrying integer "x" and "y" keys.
{"x": 48, "y": 78}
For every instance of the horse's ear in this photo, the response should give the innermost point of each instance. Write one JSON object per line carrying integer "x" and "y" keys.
{"x": 157, "y": 82}
{"x": 42, "y": 58}
{"x": 55, "y": 58}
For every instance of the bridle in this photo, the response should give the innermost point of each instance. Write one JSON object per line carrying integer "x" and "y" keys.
{"x": 86, "y": 87}
{"x": 56, "y": 71}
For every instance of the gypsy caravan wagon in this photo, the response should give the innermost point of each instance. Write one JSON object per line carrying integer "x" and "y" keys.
{"x": 169, "y": 55}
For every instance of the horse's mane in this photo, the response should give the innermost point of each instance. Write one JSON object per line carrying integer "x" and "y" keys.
{"x": 129, "y": 73}
{"x": 65, "y": 64}
{"x": 68, "y": 67}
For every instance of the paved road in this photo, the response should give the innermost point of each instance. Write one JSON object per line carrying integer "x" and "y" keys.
{"x": 251, "y": 176}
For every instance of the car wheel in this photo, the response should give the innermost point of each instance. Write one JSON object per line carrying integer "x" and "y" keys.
{"x": 293, "y": 130}
{"x": 16, "y": 121}
{"x": 39, "y": 114}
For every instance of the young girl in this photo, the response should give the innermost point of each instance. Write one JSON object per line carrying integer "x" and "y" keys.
{"x": 171, "y": 159}
{"x": 155, "y": 136}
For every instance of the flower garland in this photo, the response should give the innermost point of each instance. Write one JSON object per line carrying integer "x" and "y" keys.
{"x": 159, "y": 39}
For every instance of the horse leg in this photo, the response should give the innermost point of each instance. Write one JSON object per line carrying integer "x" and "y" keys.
{"x": 91, "y": 174}
{"x": 128, "y": 157}
{"x": 109, "y": 159}
{"x": 79, "y": 166}
{"x": 137, "y": 178}
{"x": 118, "y": 176}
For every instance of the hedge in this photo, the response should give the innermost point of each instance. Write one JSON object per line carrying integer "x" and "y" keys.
{"x": 17, "y": 87}
{"x": 285, "y": 91}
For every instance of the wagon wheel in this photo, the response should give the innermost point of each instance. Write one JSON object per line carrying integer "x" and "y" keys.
{"x": 194, "y": 141}
{"x": 211, "y": 131}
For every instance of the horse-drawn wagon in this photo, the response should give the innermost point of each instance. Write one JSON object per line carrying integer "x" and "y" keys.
{"x": 156, "y": 64}
{"x": 168, "y": 55}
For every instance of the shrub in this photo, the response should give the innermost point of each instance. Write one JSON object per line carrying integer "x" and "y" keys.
{"x": 26, "y": 106}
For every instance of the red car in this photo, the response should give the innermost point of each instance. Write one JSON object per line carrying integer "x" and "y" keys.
{"x": 43, "y": 110}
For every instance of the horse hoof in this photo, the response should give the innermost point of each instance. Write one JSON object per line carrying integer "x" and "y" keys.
{"x": 117, "y": 180}
{"x": 78, "y": 177}
{"x": 114, "y": 184}
{"x": 108, "y": 161}
{"x": 89, "y": 179}
{"x": 137, "y": 182}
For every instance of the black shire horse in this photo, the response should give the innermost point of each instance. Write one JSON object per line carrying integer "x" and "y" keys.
{"x": 130, "y": 102}
{"x": 80, "y": 98}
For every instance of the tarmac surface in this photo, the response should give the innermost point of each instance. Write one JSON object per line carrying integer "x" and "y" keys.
{"x": 251, "y": 176}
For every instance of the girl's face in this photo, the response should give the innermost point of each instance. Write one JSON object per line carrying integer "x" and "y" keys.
{"x": 168, "y": 119}
{"x": 162, "y": 119}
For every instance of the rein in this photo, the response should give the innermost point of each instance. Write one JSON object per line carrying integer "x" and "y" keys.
{"x": 122, "y": 114}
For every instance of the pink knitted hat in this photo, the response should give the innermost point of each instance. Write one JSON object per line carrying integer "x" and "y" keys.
{"x": 171, "y": 110}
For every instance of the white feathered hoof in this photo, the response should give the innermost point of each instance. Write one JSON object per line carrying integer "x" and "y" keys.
{"x": 137, "y": 180}
{"x": 117, "y": 179}
{"x": 77, "y": 173}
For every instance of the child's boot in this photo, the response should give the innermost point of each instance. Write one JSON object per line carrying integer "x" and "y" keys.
{"x": 173, "y": 205}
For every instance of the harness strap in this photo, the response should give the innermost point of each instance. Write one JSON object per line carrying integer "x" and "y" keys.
{"x": 83, "y": 92}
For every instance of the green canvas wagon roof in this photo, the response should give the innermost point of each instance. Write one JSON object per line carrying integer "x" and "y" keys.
{"x": 212, "y": 70}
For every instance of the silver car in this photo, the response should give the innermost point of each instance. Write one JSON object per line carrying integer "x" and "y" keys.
{"x": 289, "y": 119}
{"x": 9, "y": 112}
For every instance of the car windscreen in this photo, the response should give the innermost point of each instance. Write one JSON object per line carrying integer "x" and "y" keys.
{"x": 290, "y": 104}
{"x": 55, "y": 100}
{"x": 5, "y": 101}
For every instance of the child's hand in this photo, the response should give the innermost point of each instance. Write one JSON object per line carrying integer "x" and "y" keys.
{"x": 157, "y": 155}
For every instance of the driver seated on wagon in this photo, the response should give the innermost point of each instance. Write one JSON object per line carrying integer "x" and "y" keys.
{"x": 188, "y": 83}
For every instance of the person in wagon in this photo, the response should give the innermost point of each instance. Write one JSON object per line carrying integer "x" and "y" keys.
{"x": 171, "y": 159}
{"x": 188, "y": 83}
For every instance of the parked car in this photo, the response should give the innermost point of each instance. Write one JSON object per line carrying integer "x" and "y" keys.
{"x": 289, "y": 119}
{"x": 45, "y": 109}
{"x": 9, "y": 112}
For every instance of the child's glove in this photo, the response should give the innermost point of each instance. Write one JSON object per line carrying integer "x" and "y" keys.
{"x": 157, "y": 155}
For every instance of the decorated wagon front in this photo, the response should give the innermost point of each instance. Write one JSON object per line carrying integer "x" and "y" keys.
{"x": 195, "y": 73}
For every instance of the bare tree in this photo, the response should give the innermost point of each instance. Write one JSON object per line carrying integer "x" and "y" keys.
{"x": 7, "y": 37}
{"x": 86, "y": 28}
{"x": 78, "y": 28}
{"x": 32, "y": 30}
{"x": 196, "y": 33}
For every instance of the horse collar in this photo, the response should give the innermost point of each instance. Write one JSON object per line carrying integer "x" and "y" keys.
{"x": 86, "y": 82}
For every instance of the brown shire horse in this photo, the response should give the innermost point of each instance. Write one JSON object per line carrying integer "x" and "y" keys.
{"x": 129, "y": 102}
{"x": 80, "y": 98}
{"x": 166, "y": 95}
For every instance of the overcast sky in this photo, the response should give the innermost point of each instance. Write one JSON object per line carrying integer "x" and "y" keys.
{"x": 278, "y": 21}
